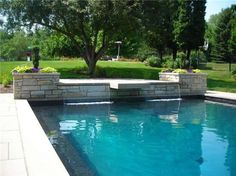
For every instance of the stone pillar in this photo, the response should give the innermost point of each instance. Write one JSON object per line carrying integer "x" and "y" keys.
{"x": 190, "y": 83}
{"x": 39, "y": 86}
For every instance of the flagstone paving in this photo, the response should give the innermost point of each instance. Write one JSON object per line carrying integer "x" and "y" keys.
{"x": 24, "y": 147}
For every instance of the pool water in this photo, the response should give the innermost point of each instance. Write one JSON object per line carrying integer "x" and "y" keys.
{"x": 152, "y": 138}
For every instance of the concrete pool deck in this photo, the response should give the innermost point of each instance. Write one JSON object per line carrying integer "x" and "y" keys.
{"x": 223, "y": 97}
{"x": 24, "y": 147}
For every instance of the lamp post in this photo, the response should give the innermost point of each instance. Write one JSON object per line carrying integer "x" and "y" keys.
{"x": 29, "y": 53}
{"x": 118, "y": 46}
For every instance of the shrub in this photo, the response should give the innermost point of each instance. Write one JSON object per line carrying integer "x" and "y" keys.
{"x": 167, "y": 70}
{"x": 180, "y": 71}
{"x": 6, "y": 80}
{"x": 153, "y": 61}
{"x": 181, "y": 61}
{"x": 22, "y": 69}
{"x": 168, "y": 62}
{"x": 234, "y": 73}
{"x": 48, "y": 70}
{"x": 28, "y": 69}
{"x": 144, "y": 52}
{"x": 194, "y": 62}
{"x": 197, "y": 71}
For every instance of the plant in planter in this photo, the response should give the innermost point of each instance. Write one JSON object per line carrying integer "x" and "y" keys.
{"x": 181, "y": 71}
{"x": 28, "y": 69}
{"x": 191, "y": 82}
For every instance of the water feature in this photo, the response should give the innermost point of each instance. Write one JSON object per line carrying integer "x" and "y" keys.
{"x": 143, "y": 138}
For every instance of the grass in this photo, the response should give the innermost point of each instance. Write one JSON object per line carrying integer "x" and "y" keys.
{"x": 219, "y": 78}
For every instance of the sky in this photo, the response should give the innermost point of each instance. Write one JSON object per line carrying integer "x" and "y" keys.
{"x": 215, "y": 6}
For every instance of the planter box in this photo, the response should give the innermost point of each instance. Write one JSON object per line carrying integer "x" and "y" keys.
{"x": 35, "y": 85}
{"x": 190, "y": 83}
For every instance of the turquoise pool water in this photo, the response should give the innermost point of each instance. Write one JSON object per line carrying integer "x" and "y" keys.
{"x": 155, "y": 138}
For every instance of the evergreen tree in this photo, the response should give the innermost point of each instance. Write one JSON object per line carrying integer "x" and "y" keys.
{"x": 225, "y": 35}
{"x": 190, "y": 25}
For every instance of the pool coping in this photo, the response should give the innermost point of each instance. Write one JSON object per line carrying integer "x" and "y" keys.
{"x": 39, "y": 156}
{"x": 222, "y": 97}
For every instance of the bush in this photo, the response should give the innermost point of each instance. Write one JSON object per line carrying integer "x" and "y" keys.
{"x": 197, "y": 71}
{"x": 22, "y": 69}
{"x": 153, "y": 61}
{"x": 143, "y": 53}
{"x": 168, "y": 62}
{"x": 180, "y": 71}
{"x": 6, "y": 80}
{"x": 28, "y": 69}
{"x": 48, "y": 70}
{"x": 181, "y": 61}
{"x": 234, "y": 73}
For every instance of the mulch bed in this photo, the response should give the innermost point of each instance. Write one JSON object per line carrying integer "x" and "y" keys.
{"x": 8, "y": 89}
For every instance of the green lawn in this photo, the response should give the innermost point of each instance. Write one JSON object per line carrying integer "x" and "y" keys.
{"x": 219, "y": 77}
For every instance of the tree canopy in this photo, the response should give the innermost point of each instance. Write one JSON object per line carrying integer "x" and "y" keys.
{"x": 190, "y": 25}
{"x": 90, "y": 28}
{"x": 91, "y": 25}
{"x": 221, "y": 33}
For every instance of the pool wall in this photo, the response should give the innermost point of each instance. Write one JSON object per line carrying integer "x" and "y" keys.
{"x": 48, "y": 86}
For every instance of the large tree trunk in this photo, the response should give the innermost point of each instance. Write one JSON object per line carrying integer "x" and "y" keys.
{"x": 188, "y": 57}
{"x": 230, "y": 62}
{"x": 91, "y": 66}
{"x": 174, "y": 52}
{"x": 90, "y": 59}
{"x": 160, "y": 51}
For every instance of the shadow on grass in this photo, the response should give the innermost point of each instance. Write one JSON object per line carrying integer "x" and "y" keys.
{"x": 111, "y": 72}
{"x": 73, "y": 73}
{"x": 138, "y": 73}
{"x": 221, "y": 85}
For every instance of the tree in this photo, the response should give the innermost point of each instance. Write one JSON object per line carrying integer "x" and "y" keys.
{"x": 190, "y": 25}
{"x": 13, "y": 46}
{"x": 158, "y": 23}
{"x": 83, "y": 22}
{"x": 53, "y": 44}
{"x": 225, "y": 38}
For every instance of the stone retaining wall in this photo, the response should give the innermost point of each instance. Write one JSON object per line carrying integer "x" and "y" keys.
{"x": 155, "y": 90}
{"x": 35, "y": 85}
{"x": 84, "y": 91}
{"x": 190, "y": 83}
{"x": 46, "y": 86}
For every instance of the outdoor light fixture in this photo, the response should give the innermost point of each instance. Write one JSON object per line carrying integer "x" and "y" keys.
{"x": 118, "y": 44}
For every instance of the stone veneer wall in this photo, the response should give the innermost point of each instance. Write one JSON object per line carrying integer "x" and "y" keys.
{"x": 84, "y": 91}
{"x": 190, "y": 83}
{"x": 154, "y": 90}
{"x": 46, "y": 86}
{"x": 35, "y": 85}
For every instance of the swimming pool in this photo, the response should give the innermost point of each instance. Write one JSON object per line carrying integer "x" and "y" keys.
{"x": 164, "y": 138}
